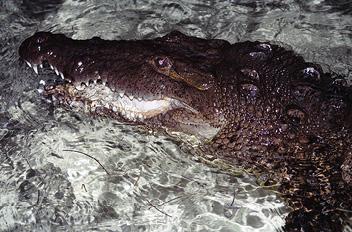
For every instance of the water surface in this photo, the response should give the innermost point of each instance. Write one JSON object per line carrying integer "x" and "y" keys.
{"x": 48, "y": 178}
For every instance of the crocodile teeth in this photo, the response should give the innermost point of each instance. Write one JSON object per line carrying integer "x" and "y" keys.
{"x": 35, "y": 68}
{"x": 52, "y": 67}
{"x": 56, "y": 71}
{"x": 29, "y": 64}
{"x": 41, "y": 65}
{"x": 62, "y": 75}
{"x": 121, "y": 94}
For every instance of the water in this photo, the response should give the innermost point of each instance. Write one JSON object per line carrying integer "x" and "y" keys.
{"x": 48, "y": 178}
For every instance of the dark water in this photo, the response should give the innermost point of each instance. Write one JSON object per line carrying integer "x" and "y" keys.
{"x": 151, "y": 184}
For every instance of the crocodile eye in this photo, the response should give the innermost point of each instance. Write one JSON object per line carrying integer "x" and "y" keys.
{"x": 162, "y": 62}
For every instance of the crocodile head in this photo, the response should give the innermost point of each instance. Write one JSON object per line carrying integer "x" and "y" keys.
{"x": 140, "y": 81}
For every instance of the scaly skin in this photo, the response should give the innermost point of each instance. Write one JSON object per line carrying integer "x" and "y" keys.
{"x": 255, "y": 105}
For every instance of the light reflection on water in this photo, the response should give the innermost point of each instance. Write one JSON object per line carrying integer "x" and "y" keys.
{"x": 151, "y": 184}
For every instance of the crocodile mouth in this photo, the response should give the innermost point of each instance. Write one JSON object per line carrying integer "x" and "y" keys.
{"x": 96, "y": 97}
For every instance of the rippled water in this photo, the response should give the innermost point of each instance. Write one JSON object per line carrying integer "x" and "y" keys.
{"x": 49, "y": 179}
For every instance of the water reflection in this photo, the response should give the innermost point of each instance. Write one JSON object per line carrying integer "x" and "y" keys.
{"x": 148, "y": 182}
{"x": 48, "y": 181}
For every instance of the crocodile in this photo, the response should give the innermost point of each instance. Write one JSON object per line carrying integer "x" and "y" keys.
{"x": 253, "y": 105}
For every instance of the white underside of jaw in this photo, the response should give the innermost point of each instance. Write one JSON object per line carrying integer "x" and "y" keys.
{"x": 135, "y": 109}
{"x": 100, "y": 95}
{"x": 128, "y": 106}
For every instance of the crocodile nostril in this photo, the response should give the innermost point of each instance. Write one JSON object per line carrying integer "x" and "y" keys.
{"x": 41, "y": 38}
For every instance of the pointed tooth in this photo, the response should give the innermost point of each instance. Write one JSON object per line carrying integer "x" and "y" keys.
{"x": 42, "y": 82}
{"x": 41, "y": 65}
{"x": 121, "y": 94}
{"x": 130, "y": 97}
{"x": 35, "y": 68}
{"x": 29, "y": 64}
{"x": 40, "y": 91}
{"x": 140, "y": 99}
{"x": 52, "y": 67}
{"x": 62, "y": 75}
{"x": 114, "y": 109}
{"x": 56, "y": 71}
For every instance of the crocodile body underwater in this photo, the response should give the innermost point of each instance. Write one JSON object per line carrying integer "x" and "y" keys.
{"x": 253, "y": 105}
